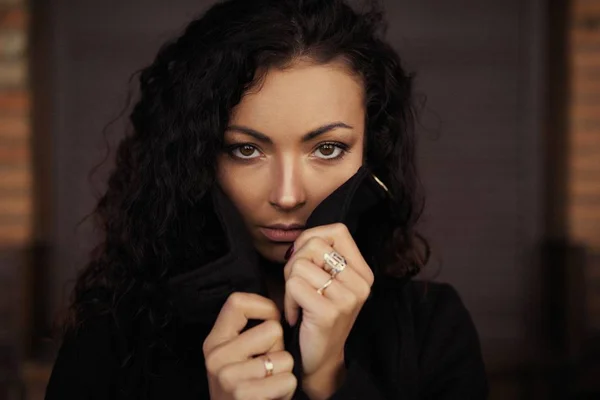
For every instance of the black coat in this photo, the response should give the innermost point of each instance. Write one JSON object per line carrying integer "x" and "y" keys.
{"x": 411, "y": 340}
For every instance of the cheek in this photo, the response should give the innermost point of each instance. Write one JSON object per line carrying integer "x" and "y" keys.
{"x": 240, "y": 186}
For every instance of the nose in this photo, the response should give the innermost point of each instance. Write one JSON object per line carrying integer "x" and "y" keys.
{"x": 288, "y": 191}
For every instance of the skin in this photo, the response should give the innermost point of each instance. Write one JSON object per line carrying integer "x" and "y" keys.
{"x": 280, "y": 178}
{"x": 284, "y": 181}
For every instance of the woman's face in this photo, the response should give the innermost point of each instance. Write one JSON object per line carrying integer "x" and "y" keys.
{"x": 288, "y": 146}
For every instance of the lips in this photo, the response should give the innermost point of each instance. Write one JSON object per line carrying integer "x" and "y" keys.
{"x": 280, "y": 234}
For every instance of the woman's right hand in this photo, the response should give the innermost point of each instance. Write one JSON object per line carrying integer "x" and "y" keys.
{"x": 235, "y": 363}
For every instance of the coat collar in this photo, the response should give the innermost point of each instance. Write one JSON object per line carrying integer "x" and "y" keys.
{"x": 199, "y": 294}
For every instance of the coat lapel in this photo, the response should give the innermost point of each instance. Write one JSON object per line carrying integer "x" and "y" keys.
{"x": 198, "y": 295}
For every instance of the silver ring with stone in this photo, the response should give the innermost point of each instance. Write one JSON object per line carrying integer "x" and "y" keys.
{"x": 334, "y": 263}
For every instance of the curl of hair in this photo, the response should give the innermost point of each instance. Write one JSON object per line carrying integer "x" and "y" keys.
{"x": 166, "y": 166}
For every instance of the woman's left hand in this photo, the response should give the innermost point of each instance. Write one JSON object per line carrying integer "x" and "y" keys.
{"x": 327, "y": 318}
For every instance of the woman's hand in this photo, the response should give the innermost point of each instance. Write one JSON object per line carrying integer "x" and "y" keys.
{"x": 327, "y": 318}
{"x": 233, "y": 370}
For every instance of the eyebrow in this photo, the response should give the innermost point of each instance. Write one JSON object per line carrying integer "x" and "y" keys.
{"x": 306, "y": 138}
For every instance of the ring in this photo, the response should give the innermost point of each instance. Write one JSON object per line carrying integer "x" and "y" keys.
{"x": 325, "y": 286}
{"x": 334, "y": 263}
{"x": 268, "y": 366}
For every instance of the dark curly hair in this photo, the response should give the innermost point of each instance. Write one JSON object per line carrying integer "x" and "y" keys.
{"x": 167, "y": 164}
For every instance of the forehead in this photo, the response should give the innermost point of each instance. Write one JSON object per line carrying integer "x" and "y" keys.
{"x": 302, "y": 97}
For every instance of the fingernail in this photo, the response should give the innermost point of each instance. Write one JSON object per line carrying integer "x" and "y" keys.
{"x": 290, "y": 322}
{"x": 289, "y": 253}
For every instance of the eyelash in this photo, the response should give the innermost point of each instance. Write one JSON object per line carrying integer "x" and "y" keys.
{"x": 338, "y": 145}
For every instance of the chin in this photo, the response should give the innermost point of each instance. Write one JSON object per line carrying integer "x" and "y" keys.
{"x": 273, "y": 252}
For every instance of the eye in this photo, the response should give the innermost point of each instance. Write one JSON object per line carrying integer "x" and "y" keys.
{"x": 244, "y": 152}
{"x": 330, "y": 151}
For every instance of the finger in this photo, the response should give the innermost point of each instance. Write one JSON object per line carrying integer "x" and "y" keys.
{"x": 304, "y": 269}
{"x": 345, "y": 296}
{"x": 263, "y": 338}
{"x": 314, "y": 250}
{"x": 234, "y": 315}
{"x": 274, "y": 387}
{"x": 231, "y": 375}
{"x": 300, "y": 294}
{"x": 338, "y": 236}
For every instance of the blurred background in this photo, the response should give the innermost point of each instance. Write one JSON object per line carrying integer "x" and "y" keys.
{"x": 509, "y": 155}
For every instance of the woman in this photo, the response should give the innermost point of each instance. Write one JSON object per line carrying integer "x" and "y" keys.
{"x": 259, "y": 227}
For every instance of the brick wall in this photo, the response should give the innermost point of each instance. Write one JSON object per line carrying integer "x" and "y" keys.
{"x": 584, "y": 142}
{"x": 15, "y": 188}
{"x": 15, "y": 172}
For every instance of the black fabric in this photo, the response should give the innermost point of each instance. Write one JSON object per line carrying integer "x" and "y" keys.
{"x": 411, "y": 340}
